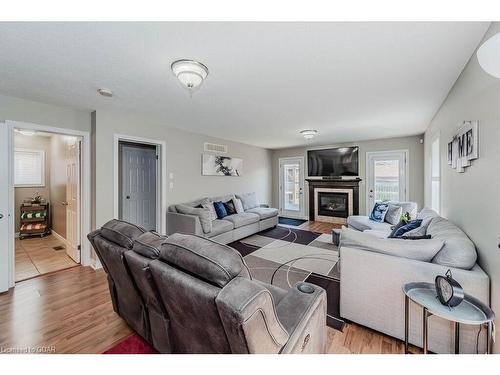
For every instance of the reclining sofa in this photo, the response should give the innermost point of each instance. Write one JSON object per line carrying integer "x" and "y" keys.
{"x": 190, "y": 294}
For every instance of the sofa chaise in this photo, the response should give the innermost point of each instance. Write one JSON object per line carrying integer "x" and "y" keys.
{"x": 254, "y": 219}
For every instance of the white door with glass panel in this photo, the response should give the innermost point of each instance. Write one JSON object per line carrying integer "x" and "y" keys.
{"x": 386, "y": 174}
{"x": 292, "y": 187}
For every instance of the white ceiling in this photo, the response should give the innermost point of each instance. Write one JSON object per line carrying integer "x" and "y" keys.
{"x": 267, "y": 81}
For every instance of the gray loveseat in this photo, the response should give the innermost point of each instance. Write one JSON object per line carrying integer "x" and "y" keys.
{"x": 374, "y": 269}
{"x": 189, "y": 294}
{"x": 254, "y": 219}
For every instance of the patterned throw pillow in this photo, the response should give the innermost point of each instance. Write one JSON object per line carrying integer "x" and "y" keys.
{"x": 393, "y": 214}
{"x": 379, "y": 211}
{"x": 229, "y": 206}
{"x": 220, "y": 210}
{"x": 210, "y": 206}
{"x": 238, "y": 206}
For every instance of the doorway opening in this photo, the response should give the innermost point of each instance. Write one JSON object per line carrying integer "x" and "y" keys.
{"x": 47, "y": 202}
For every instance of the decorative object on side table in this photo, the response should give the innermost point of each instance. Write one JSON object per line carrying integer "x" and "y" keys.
{"x": 450, "y": 293}
{"x": 470, "y": 311}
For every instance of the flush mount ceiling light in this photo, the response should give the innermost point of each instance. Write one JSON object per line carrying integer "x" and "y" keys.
{"x": 488, "y": 56}
{"x": 190, "y": 73}
{"x": 309, "y": 133}
{"x": 105, "y": 92}
{"x": 25, "y": 132}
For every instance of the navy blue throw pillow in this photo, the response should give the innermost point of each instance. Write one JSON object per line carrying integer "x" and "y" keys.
{"x": 220, "y": 210}
{"x": 379, "y": 211}
{"x": 413, "y": 224}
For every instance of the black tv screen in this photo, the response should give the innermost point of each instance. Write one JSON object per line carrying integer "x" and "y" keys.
{"x": 333, "y": 162}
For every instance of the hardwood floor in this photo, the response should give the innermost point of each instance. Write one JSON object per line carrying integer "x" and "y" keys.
{"x": 70, "y": 311}
{"x": 317, "y": 226}
{"x": 36, "y": 256}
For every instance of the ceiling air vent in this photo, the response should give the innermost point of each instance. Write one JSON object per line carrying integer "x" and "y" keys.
{"x": 212, "y": 147}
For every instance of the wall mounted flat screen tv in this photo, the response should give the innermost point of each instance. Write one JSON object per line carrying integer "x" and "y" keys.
{"x": 333, "y": 162}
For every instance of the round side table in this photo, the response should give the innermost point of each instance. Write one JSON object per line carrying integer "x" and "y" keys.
{"x": 470, "y": 311}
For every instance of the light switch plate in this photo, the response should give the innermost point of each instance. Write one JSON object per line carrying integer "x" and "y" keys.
{"x": 171, "y": 185}
{"x": 171, "y": 175}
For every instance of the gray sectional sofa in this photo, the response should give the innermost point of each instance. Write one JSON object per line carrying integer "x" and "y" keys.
{"x": 254, "y": 219}
{"x": 374, "y": 269}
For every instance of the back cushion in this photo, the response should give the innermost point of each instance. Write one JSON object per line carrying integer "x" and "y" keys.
{"x": 410, "y": 207}
{"x": 458, "y": 250}
{"x": 148, "y": 244}
{"x": 213, "y": 262}
{"x": 249, "y": 200}
{"x": 427, "y": 213}
{"x": 121, "y": 233}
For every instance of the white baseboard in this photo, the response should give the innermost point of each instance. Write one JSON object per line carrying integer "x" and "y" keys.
{"x": 16, "y": 235}
{"x": 59, "y": 237}
{"x": 96, "y": 264}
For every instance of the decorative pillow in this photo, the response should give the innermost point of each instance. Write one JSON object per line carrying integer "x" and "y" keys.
{"x": 379, "y": 211}
{"x": 202, "y": 213}
{"x": 406, "y": 228}
{"x": 210, "y": 206}
{"x": 238, "y": 206}
{"x": 229, "y": 206}
{"x": 393, "y": 214}
{"x": 419, "y": 231}
{"x": 424, "y": 237}
{"x": 220, "y": 210}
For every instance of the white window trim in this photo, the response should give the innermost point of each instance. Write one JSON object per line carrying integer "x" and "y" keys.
{"x": 435, "y": 136}
{"x": 42, "y": 153}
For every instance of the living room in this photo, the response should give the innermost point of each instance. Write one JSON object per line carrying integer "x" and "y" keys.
{"x": 257, "y": 187}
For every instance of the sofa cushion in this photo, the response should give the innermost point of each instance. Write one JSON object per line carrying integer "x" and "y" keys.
{"x": 148, "y": 244}
{"x": 229, "y": 206}
{"x": 363, "y": 223}
{"x": 264, "y": 212}
{"x": 411, "y": 225}
{"x": 219, "y": 227}
{"x": 249, "y": 200}
{"x": 427, "y": 213}
{"x": 202, "y": 213}
{"x": 410, "y": 207}
{"x": 458, "y": 250}
{"x": 238, "y": 206}
{"x": 220, "y": 210}
{"x": 121, "y": 232}
{"x": 240, "y": 220}
{"x": 393, "y": 214}
{"x": 210, "y": 206}
{"x": 379, "y": 211}
{"x": 423, "y": 250}
{"x": 211, "y": 261}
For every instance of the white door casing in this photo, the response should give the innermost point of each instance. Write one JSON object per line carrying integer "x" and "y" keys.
{"x": 6, "y": 242}
{"x": 387, "y": 177}
{"x": 291, "y": 187}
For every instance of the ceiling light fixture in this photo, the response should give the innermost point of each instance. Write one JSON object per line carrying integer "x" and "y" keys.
{"x": 190, "y": 73}
{"x": 309, "y": 133}
{"x": 105, "y": 92}
{"x": 29, "y": 133}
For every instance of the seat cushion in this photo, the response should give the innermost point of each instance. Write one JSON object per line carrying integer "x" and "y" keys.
{"x": 219, "y": 227}
{"x": 263, "y": 212}
{"x": 240, "y": 220}
{"x": 363, "y": 223}
{"x": 249, "y": 200}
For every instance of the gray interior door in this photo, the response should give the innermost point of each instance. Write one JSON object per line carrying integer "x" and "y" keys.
{"x": 138, "y": 184}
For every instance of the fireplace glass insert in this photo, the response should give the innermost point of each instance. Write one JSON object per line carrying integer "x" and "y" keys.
{"x": 333, "y": 204}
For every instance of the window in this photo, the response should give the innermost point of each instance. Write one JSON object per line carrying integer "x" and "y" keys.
{"x": 29, "y": 168}
{"x": 435, "y": 176}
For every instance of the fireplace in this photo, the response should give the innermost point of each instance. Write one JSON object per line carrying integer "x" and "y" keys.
{"x": 333, "y": 201}
{"x": 333, "y": 204}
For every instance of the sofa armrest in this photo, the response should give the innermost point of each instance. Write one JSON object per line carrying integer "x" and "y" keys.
{"x": 182, "y": 223}
{"x": 304, "y": 317}
{"x": 371, "y": 294}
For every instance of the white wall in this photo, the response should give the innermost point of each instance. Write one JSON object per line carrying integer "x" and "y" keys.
{"x": 416, "y": 168}
{"x": 472, "y": 199}
{"x": 184, "y": 152}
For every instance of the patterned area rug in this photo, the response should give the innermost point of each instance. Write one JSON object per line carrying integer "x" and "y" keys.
{"x": 284, "y": 256}
{"x": 133, "y": 344}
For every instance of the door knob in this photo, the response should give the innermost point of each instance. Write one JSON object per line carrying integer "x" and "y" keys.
{"x": 127, "y": 197}
{"x": 1, "y": 216}
{"x": 64, "y": 203}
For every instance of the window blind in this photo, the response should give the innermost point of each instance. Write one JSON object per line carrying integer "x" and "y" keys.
{"x": 29, "y": 167}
